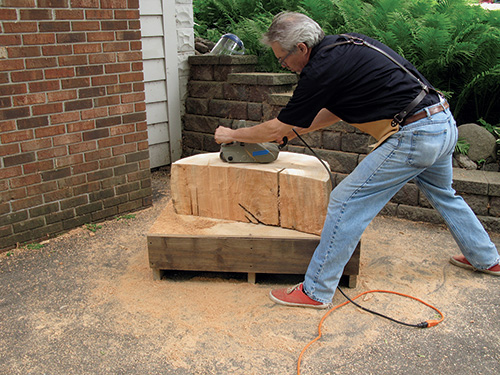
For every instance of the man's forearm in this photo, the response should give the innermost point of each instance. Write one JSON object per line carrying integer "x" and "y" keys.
{"x": 272, "y": 130}
{"x": 259, "y": 133}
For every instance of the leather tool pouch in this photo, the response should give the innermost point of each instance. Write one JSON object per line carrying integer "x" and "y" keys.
{"x": 380, "y": 130}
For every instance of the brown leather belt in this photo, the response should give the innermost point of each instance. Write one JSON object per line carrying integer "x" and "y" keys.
{"x": 423, "y": 113}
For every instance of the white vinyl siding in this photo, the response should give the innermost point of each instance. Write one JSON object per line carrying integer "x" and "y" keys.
{"x": 167, "y": 40}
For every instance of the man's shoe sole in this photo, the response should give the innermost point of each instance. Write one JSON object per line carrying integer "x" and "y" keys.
{"x": 472, "y": 268}
{"x": 292, "y": 304}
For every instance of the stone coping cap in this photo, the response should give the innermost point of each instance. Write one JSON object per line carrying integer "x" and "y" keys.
{"x": 493, "y": 179}
{"x": 280, "y": 99}
{"x": 476, "y": 182}
{"x": 468, "y": 181}
{"x": 222, "y": 60}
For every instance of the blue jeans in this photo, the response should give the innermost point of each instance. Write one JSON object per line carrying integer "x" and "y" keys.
{"x": 421, "y": 151}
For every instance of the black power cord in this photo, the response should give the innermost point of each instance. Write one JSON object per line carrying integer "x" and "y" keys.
{"x": 424, "y": 324}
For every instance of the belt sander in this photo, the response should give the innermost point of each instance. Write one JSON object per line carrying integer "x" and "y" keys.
{"x": 239, "y": 152}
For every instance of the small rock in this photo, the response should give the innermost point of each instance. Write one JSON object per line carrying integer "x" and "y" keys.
{"x": 463, "y": 161}
{"x": 200, "y": 47}
{"x": 203, "y": 46}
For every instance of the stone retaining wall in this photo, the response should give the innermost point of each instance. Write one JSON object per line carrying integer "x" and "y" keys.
{"x": 227, "y": 91}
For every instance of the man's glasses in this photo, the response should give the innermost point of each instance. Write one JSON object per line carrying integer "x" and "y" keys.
{"x": 282, "y": 60}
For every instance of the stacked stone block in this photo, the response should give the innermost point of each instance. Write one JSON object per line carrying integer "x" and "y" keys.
{"x": 226, "y": 90}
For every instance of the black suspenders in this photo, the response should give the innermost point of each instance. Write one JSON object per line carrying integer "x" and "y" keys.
{"x": 400, "y": 117}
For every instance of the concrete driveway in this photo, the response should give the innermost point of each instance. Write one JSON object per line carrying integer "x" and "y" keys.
{"x": 87, "y": 303}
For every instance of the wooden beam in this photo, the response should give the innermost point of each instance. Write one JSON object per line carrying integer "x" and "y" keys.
{"x": 231, "y": 254}
{"x": 190, "y": 243}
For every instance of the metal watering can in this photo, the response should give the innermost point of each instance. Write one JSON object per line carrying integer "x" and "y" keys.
{"x": 228, "y": 44}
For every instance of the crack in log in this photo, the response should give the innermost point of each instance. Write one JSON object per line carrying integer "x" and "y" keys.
{"x": 278, "y": 198}
{"x": 252, "y": 215}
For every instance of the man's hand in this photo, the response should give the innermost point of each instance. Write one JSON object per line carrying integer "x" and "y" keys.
{"x": 268, "y": 131}
{"x": 223, "y": 135}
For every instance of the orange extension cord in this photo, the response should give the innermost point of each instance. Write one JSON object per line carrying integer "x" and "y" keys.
{"x": 426, "y": 324}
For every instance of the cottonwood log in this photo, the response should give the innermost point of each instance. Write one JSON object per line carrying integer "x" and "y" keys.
{"x": 291, "y": 192}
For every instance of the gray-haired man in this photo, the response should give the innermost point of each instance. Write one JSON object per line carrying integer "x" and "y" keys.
{"x": 359, "y": 80}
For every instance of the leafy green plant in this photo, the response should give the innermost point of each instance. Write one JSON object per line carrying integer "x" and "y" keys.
{"x": 34, "y": 246}
{"x": 251, "y": 31}
{"x": 455, "y": 45}
{"x": 462, "y": 146}
{"x": 93, "y": 227}
{"x": 125, "y": 217}
{"x": 495, "y": 130}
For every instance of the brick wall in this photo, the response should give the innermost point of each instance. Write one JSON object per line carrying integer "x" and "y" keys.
{"x": 73, "y": 139}
{"x": 224, "y": 91}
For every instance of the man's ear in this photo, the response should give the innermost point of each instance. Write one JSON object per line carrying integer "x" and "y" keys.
{"x": 302, "y": 47}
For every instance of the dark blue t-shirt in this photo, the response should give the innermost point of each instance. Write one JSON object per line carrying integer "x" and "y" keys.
{"x": 355, "y": 83}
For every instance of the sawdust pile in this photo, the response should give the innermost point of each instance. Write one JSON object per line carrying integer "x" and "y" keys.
{"x": 199, "y": 317}
{"x": 170, "y": 222}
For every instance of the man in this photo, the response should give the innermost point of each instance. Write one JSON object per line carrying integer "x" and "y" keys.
{"x": 363, "y": 82}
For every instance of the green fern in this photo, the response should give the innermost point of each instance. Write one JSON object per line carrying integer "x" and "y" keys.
{"x": 481, "y": 95}
{"x": 325, "y": 12}
{"x": 223, "y": 15}
{"x": 251, "y": 31}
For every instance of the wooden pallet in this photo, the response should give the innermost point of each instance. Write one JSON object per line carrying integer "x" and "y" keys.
{"x": 193, "y": 243}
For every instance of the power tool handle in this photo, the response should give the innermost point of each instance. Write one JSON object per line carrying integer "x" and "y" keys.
{"x": 285, "y": 142}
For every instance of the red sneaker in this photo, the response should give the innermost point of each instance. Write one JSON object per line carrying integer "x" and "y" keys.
{"x": 460, "y": 261}
{"x": 295, "y": 296}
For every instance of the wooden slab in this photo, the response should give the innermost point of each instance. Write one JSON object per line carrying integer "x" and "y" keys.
{"x": 291, "y": 192}
{"x": 192, "y": 243}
